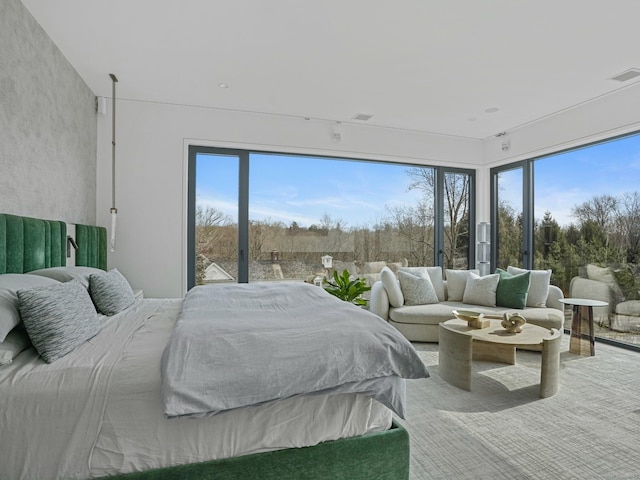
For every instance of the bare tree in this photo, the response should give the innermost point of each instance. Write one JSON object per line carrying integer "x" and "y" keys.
{"x": 415, "y": 225}
{"x": 628, "y": 226}
{"x": 456, "y": 208}
{"x": 214, "y": 230}
{"x": 601, "y": 210}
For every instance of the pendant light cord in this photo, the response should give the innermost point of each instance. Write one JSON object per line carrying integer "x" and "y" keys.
{"x": 113, "y": 144}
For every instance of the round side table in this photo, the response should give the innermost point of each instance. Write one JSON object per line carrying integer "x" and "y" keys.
{"x": 582, "y": 321}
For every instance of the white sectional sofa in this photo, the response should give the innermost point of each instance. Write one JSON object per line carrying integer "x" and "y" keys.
{"x": 420, "y": 322}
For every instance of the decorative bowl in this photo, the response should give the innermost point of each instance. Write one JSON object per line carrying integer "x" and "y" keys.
{"x": 467, "y": 315}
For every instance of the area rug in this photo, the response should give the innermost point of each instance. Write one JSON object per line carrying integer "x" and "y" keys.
{"x": 502, "y": 430}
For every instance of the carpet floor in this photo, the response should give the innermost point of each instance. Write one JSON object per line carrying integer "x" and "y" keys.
{"x": 502, "y": 430}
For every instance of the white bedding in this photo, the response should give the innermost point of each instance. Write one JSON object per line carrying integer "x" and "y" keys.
{"x": 278, "y": 340}
{"x": 98, "y": 411}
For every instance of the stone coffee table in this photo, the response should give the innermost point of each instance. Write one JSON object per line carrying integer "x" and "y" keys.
{"x": 459, "y": 345}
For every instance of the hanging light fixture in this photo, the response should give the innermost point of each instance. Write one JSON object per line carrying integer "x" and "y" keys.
{"x": 114, "y": 210}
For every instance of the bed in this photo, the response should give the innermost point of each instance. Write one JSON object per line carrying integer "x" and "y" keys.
{"x": 100, "y": 410}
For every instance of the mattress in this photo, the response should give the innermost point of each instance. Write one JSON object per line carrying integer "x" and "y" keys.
{"x": 98, "y": 411}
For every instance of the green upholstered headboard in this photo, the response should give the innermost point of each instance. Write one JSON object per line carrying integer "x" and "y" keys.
{"x": 28, "y": 244}
{"x": 92, "y": 246}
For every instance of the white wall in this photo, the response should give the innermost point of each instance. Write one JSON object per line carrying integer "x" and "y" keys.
{"x": 47, "y": 125}
{"x": 151, "y": 155}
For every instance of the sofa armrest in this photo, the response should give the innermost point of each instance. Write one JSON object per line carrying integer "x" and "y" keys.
{"x": 379, "y": 301}
{"x": 555, "y": 294}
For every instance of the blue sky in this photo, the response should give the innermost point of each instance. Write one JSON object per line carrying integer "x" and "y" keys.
{"x": 302, "y": 189}
{"x": 565, "y": 180}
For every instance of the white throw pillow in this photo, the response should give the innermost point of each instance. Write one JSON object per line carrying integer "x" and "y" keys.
{"x": 417, "y": 289}
{"x": 538, "y": 288}
{"x": 481, "y": 290}
{"x": 435, "y": 274}
{"x": 457, "y": 282}
{"x": 391, "y": 285}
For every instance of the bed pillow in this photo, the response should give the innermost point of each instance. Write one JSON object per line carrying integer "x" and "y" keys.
{"x": 417, "y": 289}
{"x": 66, "y": 274}
{"x": 456, "y": 283}
{"x": 513, "y": 290}
{"x": 110, "y": 292}
{"x": 58, "y": 318}
{"x": 538, "y": 288}
{"x": 391, "y": 285}
{"x": 481, "y": 290}
{"x": 10, "y": 283}
{"x": 17, "y": 341}
{"x": 435, "y": 274}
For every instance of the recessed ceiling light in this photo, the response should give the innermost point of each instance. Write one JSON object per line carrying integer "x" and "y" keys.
{"x": 491, "y": 110}
{"x": 223, "y": 85}
{"x": 627, "y": 75}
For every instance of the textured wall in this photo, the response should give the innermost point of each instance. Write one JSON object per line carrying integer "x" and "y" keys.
{"x": 47, "y": 125}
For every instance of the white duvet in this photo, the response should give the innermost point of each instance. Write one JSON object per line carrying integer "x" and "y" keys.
{"x": 98, "y": 411}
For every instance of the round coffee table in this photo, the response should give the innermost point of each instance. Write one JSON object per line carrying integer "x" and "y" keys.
{"x": 459, "y": 345}
{"x": 582, "y": 320}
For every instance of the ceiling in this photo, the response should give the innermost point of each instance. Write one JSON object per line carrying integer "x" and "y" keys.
{"x": 440, "y": 66}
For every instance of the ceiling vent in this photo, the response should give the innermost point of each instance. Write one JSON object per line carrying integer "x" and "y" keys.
{"x": 627, "y": 75}
{"x": 363, "y": 117}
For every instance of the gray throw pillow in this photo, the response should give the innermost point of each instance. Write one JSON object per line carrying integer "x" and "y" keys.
{"x": 10, "y": 283}
{"x": 435, "y": 274}
{"x": 58, "y": 318}
{"x": 110, "y": 292}
{"x": 481, "y": 290}
{"x": 417, "y": 289}
{"x": 66, "y": 274}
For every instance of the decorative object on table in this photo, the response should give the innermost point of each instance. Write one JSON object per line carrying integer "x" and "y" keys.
{"x": 346, "y": 288}
{"x": 513, "y": 322}
{"x": 474, "y": 319}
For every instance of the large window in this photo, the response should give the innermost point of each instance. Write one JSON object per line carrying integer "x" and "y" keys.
{"x": 256, "y": 216}
{"x": 577, "y": 213}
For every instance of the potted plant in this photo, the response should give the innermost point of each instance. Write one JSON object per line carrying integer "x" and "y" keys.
{"x": 343, "y": 287}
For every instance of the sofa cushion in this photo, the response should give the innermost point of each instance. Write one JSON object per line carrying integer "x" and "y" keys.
{"x": 417, "y": 289}
{"x": 481, "y": 290}
{"x": 512, "y": 290}
{"x": 391, "y": 285}
{"x": 538, "y": 288}
{"x": 440, "y": 312}
{"x": 435, "y": 274}
{"x": 457, "y": 282}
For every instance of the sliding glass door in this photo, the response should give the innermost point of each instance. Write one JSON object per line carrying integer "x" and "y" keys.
{"x": 577, "y": 213}
{"x": 508, "y": 192}
{"x": 257, "y": 216}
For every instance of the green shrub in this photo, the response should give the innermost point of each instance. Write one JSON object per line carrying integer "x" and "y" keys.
{"x": 346, "y": 289}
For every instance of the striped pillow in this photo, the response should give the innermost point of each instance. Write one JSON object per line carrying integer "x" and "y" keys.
{"x": 58, "y": 318}
{"x": 110, "y": 292}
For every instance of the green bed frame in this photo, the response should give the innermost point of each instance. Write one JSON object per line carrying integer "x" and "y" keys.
{"x": 375, "y": 456}
{"x": 28, "y": 244}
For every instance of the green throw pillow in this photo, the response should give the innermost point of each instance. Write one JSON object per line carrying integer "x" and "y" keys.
{"x": 512, "y": 290}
